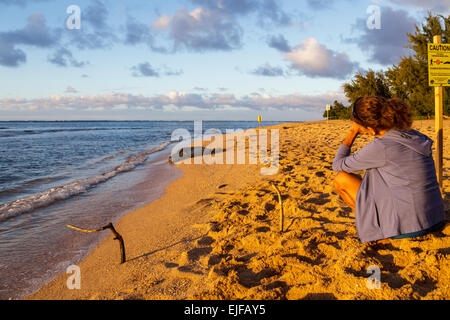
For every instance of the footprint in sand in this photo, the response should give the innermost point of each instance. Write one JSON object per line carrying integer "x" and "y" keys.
{"x": 249, "y": 279}
{"x": 262, "y": 229}
{"x": 269, "y": 207}
{"x": 262, "y": 217}
{"x": 320, "y": 174}
{"x": 322, "y": 199}
{"x": 188, "y": 269}
{"x": 205, "y": 241}
{"x": 170, "y": 265}
{"x": 305, "y": 191}
{"x": 216, "y": 259}
{"x": 197, "y": 253}
{"x": 215, "y": 226}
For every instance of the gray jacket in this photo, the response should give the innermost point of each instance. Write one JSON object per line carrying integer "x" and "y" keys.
{"x": 399, "y": 193}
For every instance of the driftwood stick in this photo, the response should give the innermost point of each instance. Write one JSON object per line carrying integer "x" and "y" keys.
{"x": 280, "y": 201}
{"x": 117, "y": 236}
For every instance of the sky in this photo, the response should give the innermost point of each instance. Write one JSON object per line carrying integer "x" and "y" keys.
{"x": 194, "y": 59}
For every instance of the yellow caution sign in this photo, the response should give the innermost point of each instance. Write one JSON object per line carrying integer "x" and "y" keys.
{"x": 439, "y": 74}
{"x": 439, "y": 64}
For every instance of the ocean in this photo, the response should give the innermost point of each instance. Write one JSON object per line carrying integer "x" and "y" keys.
{"x": 84, "y": 173}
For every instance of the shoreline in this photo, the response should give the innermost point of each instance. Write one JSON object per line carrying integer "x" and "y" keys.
{"x": 133, "y": 192}
{"x": 108, "y": 245}
{"x": 213, "y": 235}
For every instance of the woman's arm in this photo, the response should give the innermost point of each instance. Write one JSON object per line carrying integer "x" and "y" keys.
{"x": 371, "y": 156}
{"x": 351, "y": 135}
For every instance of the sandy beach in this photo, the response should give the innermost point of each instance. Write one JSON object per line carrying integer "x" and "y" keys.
{"x": 215, "y": 234}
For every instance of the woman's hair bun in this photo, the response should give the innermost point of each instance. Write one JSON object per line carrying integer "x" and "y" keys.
{"x": 384, "y": 113}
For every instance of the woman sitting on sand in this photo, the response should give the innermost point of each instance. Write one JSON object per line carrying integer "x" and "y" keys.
{"x": 399, "y": 196}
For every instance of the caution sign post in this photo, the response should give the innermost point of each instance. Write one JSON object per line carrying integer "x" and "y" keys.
{"x": 438, "y": 77}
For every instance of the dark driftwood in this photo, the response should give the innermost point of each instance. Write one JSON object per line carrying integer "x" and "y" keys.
{"x": 280, "y": 201}
{"x": 117, "y": 236}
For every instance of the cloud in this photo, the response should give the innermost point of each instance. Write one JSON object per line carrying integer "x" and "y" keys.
{"x": 20, "y": 3}
{"x": 268, "y": 71}
{"x": 323, "y": 4}
{"x": 145, "y": 69}
{"x": 137, "y": 32}
{"x": 312, "y": 59}
{"x": 64, "y": 58}
{"x": 95, "y": 32}
{"x": 279, "y": 42}
{"x": 214, "y": 25}
{"x": 318, "y": 4}
{"x": 200, "y": 89}
{"x": 267, "y": 11}
{"x": 36, "y": 33}
{"x": 271, "y": 13}
{"x": 175, "y": 100}
{"x": 11, "y": 56}
{"x": 70, "y": 90}
{"x": 230, "y": 7}
{"x": 96, "y": 14}
{"x": 200, "y": 30}
{"x": 438, "y": 6}
{"x": 386, "y": 45}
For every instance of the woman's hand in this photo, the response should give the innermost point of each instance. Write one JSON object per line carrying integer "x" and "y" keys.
{"x": 358, "y": 129}
{"x": 355, "y": 130}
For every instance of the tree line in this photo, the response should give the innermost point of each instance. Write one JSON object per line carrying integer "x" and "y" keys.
{"x": 408, "y": 80}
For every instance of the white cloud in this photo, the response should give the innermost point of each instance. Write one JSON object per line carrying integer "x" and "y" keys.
{"x": 313, "y": 59}
{"x": 70, "y": 89}
{"x": 387, "y": 45}
{"x": 172, "y": 101}
{"x": 201, "y": 29}
{"x": 439, "y": 6}
{"x": 162, "y": 22}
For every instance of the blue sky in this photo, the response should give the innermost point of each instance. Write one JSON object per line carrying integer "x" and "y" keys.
{"x": 193, "y": 59}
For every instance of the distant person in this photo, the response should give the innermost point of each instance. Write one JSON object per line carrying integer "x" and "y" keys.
{"x": 399, "y": 196}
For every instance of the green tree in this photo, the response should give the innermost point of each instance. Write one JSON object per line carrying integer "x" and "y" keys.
{"x": 409, "y": 79}
{"x": 369, "y": 84}
{"x": 425, "y": 33}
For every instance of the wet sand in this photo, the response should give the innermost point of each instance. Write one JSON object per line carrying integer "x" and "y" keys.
{"x": 214, "y": 234}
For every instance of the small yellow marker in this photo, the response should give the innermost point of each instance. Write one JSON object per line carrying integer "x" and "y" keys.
{"x": 328, "y": 110}
{"x": 259, "y": 121}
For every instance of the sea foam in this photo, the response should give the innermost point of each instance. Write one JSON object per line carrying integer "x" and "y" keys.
{"x": 50, "y": 196}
